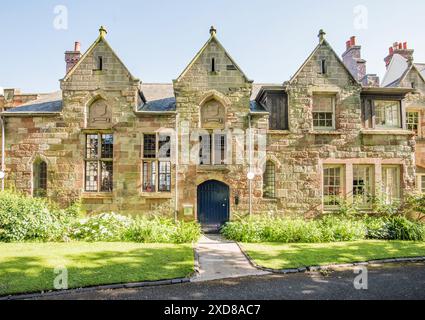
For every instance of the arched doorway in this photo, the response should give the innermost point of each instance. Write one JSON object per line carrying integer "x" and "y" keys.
{"x": 213, "y": 204}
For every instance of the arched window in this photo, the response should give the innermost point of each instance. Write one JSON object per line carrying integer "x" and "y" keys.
{"x": 40, "y": 179}
{"x": 269, "y": 181}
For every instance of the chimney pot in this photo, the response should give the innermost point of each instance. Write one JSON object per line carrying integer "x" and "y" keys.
{"x": 391, "y": 50}
{"x": 353, "y": 41}
{"x": 77, "y": 46}
{"x": 405, "y": 45}
{"x": 348, "y": 43}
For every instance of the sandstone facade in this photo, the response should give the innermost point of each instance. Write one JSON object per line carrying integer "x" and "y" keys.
{"x": 211, "y": 104}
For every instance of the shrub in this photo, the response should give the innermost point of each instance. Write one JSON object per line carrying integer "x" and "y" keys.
{"x": 401, "y": 228}
{"x": 330, "y": 228}
{"x": 24, "y": 218}
{"x": 102, "y": 227}
{"x": 162, "y": 230}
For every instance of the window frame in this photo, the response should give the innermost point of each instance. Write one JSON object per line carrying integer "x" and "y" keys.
{"x": 266, "y": 180}
{"x": 156, "y": 161}
{"x": 397, "y": 185}
{"x": 333, "y": 98}
{"x": 371, "y": 188}
{"x": 224, "y": 148}
{"x": 99, "y": 160}
{"x": 40, "y": 179}
{"x": 387, "y": 127}
{"x": 342, "y": 191}
{"x": 419, "y": 131}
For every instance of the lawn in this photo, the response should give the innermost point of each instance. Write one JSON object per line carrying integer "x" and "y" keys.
{"x": 29, "y": 267}
{"x": 287, "y": 256}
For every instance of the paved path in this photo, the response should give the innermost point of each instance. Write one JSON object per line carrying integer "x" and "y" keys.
{"x": 221, "y": 259}
{"x": 398, "y": 281}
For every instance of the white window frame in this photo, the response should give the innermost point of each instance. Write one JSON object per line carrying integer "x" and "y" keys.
{"x": 342, "y": 178}
{"x": 369, "y": 187}
{"x": 333, "y": 98}
{"x": 399, "y": 126}
{"x": 397, "y": 185}
{"x": 419, "y": 134}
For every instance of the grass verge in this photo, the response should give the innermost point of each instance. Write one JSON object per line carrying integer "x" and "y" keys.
{"x": 29, "y": 267}
{"x": 287, "y": 256}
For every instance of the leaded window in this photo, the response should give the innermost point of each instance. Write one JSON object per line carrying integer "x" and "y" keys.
{"x": 156, "y": 166}
{"x": 40, "y": 179}
{"x": 332, "y": 186}
{"x": 412, "y": 121}
{"x": 323, "y": 112}
{"x": 363, "y": 185}
{"x": 212, "y": 149}
{"x": 387, "y": 114}
{"x": 269, "y": 181}
{"x": 99, "y": 162}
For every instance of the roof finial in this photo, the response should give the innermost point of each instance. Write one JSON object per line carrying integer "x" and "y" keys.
{"x": 102, "y": 31}
{"x": 213, "y": 31}
{"x": 321, "y": 35}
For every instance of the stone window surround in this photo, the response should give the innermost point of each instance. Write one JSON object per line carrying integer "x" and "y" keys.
{"x": 348, "y": 174}
{"x": 157, "y": 161}
{"x": 333, "y": 97}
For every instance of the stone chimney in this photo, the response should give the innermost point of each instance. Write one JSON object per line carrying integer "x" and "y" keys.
{"x": 353, "y": 59}
{"x": 400, "y": 48}
{"x": 72, "y": 57}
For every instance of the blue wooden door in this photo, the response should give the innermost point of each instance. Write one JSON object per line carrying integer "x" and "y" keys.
{"x": 213, "y": 204}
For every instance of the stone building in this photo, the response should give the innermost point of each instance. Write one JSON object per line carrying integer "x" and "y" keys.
{"x": 402, "y": 71}
{"x": 213, "y": 143}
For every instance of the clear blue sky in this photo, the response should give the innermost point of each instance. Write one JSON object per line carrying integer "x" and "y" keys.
{"x": 269, "y": 39}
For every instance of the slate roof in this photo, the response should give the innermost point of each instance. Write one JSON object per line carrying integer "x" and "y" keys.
{"x": 398, "y": 69}
{"x": 160, "y": 98}
{"x": 46, "y": 103}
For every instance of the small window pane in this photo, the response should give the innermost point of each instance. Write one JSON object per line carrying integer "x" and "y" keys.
{"x": 91, "y": 176}
{"x": 149, "y": 146}
{"x": 164, "y": 146}
{"x": 164, "y": 177}
{"x": 149, "y": 176}
{"x": 220, "y": 149}
{"x": 412, "y": 119}
{"x": 205, "y": 150}
{"x": 107, "y": 146}
{"x": 92, "y": 146}
{"x": 269, "y": 180}
{"x": 106, "y": 174}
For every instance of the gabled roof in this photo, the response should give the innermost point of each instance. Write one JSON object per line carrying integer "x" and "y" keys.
{"x": 211, "y": 39}
{"x": 322, "y": 42}
{"x": 47, "y": 104}
{"x": 398, "y": 69}
{"x": 101, "y": 38}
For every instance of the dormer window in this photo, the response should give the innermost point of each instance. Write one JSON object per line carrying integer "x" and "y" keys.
{"x": 323, "y": 66}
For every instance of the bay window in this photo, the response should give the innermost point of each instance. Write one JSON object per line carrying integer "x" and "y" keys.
{"x": 387, "y": 114}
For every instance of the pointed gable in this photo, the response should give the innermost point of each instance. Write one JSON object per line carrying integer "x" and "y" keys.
{"x": 336, "y": 72}
{"x": 412, "y": 78}
{"x": 213, "y": 62}
{"x": 99, "y": 67}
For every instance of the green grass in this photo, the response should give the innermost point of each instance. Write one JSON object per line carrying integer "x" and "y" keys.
{"x": 29, "y": 267}
{"x": 287, "y": 256}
